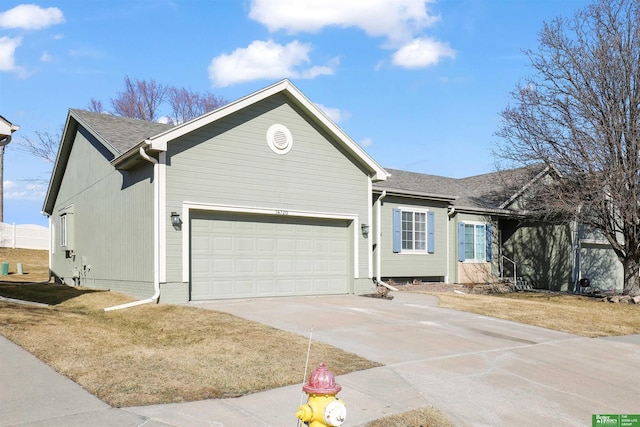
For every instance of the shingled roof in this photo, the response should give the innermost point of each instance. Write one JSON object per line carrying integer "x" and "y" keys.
{"x": 120, "y": 132}
{"x": 488, "y": 191}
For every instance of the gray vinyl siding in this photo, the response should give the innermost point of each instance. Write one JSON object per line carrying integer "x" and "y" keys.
{"x": 112, "y": 223}
{"x": 597, "y": 260}
{"x": 599, "y": 264}
{"x": 230, "y": 163}
{"x": 413, "y": 265}
{"x": 542, "y": 252}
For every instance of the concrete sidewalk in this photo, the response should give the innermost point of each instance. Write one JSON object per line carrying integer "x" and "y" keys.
{"x": 478, "y": 370}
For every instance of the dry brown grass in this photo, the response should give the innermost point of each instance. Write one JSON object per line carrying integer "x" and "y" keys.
{"x": 163, "y": 353}
{"x": 35, "y": 265}
{"x": 423, "y": 417}
{"x": 574, "y": 314}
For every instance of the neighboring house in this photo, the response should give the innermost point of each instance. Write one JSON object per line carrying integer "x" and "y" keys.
{"x": 460, "y": 219}
{"x": 266, "y": 196}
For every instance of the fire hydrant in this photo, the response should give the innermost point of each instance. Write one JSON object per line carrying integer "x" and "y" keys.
{"x": 323, "y": 408}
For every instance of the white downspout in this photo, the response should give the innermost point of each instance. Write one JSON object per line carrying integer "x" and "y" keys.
{"x": 450, "y": 215}
{"x": 156, "y": 237}
{"x": 379, "y": 235}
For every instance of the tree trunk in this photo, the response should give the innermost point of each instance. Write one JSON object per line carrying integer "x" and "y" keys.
{"x": 631, "y": 267}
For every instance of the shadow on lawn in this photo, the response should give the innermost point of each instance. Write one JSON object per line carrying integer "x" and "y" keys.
{"x": 45, "y": 293}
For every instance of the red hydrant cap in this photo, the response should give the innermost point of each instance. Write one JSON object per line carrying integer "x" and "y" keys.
{"x": 322, "y": 381}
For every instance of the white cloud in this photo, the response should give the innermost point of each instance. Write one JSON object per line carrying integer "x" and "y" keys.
{"x": 265, "y": 60}
{"x": 23, "y": 192}
{"x": 367, "y": 142}
{"x": 87, "y": 53}
{"x": 401, "y": 22}
{"x": 31, "y": 17}
{"x": 397, "y": 20}
{"x": 422, "y": 52}
{"x": 335, "y": 114}
{"x": 46, "y": 57}
{"x": 8, "y": 184}
{"x": 8, "y": 48}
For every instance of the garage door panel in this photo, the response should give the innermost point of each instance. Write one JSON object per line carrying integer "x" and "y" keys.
{"x": 320, "y": 265}
{"x": 305, "y": 245}
{"x": 265, "y": 266}
{"x": 304, "y": 286}
{"x": 304, "y": 266}
{"x": 286, "y": 286}
{"x": 200, "y": 243}
{"x": 244, "y": 266}
{"x": 245, "y": 244}
{"x": 235, "y": 256}
{"x": 285, "y": 266}
{"x": 265, "y": 245}
{"x": 244, "y": 287}
{"x": 339, "y": 265}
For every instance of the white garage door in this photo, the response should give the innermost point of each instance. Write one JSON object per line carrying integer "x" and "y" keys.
{"x": 237, "y": 256}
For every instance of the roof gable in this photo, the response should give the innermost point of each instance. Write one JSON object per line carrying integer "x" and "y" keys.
{"x": 159, "y": 142}
{"x": 120, "y": 133}
{"x": 123, "y": 137}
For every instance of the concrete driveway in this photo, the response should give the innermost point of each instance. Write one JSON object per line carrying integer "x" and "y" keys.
{"x": 478, "y": 370}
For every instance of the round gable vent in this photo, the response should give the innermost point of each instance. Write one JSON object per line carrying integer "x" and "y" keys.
{"x": 279, "y": 139}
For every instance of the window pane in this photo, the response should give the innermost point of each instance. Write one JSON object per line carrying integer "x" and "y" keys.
{"x": 480, "y": 242}
{"x": 63, "y": 230}
{"x": 420, "y": 231}
{"x": 407, "y": 230}
{"x": 469, "y": 239}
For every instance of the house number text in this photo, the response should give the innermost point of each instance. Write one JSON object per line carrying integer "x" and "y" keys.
{"x": 281, "y": 212}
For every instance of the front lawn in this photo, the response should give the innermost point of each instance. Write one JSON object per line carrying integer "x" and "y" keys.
{"x": 575, "y": 314}
{"x": 162, "y": 353}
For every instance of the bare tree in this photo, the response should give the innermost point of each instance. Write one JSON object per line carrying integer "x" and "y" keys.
{"x": 44, "y": 146}
{"x": 580, "y": 113}
{"x": 95, "y": 106}
{"x": 186, "y": 104}
{"x": 141, "y": 99}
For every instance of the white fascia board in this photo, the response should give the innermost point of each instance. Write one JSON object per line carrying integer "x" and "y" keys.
{"x": 6, "y": 127}
{"x": 379, "y": 173}
{"x": 415, "y": 194}
{"x": 159, "y": 142}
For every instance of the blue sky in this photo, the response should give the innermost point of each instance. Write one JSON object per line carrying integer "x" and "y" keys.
{"x": 419, "y": 84}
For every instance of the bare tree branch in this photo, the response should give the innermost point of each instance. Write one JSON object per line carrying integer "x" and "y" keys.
{"x": 95, "y": 106}
{"x": 580, "y": 112}
{"x": 45, "y": 146}
{"x": 187, "y": 105}
{"x": 141, "y": 99}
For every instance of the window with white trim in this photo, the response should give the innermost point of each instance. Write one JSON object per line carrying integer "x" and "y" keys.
{"x": 474, "y": 242}
{"x": 413, "y": 230}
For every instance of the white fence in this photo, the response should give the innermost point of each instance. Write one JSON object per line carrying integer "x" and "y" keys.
{"x": 24, "y": 236}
